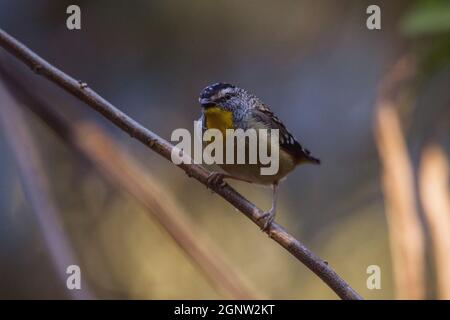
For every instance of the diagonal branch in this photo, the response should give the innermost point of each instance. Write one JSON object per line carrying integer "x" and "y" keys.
{"x": 164, "y": 148}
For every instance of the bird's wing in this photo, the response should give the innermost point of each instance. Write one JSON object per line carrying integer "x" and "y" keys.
{"x": 262, "y": 114}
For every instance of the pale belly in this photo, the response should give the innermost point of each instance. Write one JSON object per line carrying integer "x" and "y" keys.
{"x": 252, "y": 172}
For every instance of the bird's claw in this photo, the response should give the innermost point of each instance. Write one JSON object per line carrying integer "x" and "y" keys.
{"x": 215, "y": 179}
{"x": 269, "y": 217}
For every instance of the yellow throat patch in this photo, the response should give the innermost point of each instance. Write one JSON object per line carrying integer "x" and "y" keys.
{"x": 217, "y": 118}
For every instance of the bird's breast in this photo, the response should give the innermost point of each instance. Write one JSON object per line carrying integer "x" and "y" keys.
{"x": 217, "y": 118}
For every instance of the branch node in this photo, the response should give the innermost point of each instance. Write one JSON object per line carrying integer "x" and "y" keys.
{"x": 83, "y": 85}
{"x": 36, "y": 68}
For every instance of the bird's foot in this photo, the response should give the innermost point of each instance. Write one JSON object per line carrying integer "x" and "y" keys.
{"x": 215, "y": 179}
{"x": 269, "y": 217}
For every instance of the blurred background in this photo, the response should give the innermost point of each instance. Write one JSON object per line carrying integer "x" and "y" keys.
{"x": 318, "y": 67}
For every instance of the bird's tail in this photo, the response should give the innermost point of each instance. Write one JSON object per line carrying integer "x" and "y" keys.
{"x": 312, "y": 159}
{"x": 308, "y": 158}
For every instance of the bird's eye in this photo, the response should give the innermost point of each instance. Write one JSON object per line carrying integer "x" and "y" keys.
{"x": 227, "y": 96}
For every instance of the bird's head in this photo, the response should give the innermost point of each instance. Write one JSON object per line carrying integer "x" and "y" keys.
{"x": 221, "y": 95}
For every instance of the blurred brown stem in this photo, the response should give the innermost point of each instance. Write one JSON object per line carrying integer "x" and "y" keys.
{"x": 164, "y": 148}
{"x": 36, "y": 189}
{"x": 405, "y": 230}
{"x": 435, "y": 195}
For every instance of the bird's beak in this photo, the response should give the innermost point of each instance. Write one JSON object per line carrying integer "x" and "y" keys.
{"x": 206, "y": 103}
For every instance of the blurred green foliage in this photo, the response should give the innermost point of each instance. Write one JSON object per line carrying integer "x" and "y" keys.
{"x": 427, "y": 24}
{"x": 427, "y": 17}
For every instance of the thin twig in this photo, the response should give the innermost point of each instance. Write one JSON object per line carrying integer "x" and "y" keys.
{"x": 99, "y": 149}
{"x": 164, "y": 148}
{"x": 405, "y": 230}
{"x": 36, "y": 188}
{"x": 435, "y": 196}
